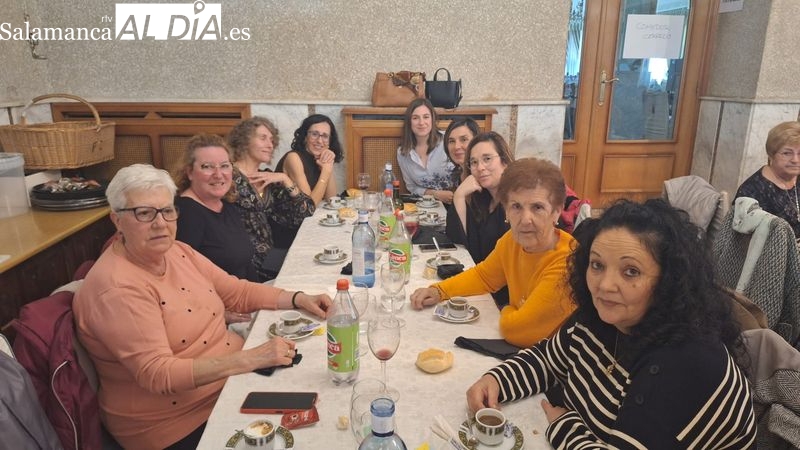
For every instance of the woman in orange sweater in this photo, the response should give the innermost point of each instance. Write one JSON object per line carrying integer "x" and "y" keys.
{"x": 531, "y": 258}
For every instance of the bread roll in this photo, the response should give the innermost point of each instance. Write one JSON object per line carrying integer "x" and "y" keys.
{"x": 434, "y": 360}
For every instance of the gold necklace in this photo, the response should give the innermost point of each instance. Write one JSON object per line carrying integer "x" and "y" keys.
{"x": 613, "y": 364}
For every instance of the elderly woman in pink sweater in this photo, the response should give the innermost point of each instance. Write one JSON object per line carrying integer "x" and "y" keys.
{"x": 151, "y": 313}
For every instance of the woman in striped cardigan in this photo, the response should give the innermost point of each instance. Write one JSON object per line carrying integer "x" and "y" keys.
{"x": 649, "y": 359}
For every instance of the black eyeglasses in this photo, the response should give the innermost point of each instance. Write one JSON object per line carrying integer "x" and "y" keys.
{"x": 148, "y": 213}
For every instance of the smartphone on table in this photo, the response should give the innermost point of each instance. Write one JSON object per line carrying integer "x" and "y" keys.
{"x": 277, "y": 402}
{"x": 426, "y": 248}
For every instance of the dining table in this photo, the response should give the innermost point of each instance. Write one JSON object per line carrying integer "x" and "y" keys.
{"x": 422, "y": 396}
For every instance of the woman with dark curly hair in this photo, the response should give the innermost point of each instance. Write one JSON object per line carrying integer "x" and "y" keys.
{"x": 649, "y": 359}
{"x": 315, "y": 149}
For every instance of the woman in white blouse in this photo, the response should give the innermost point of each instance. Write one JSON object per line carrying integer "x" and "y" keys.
{"x": 423, "y": 162}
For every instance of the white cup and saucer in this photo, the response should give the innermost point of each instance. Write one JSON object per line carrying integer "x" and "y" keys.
{"x": 335, "y": 202}
{"x": 331, "y": 218}
{"x": 428, "y": 201}
{"x": 291, "y": 322}
{"x": 458, "y": 308}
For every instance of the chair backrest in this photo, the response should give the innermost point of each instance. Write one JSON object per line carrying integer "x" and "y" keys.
{"x": 694, "y": 195}
{"x": 762, "y": 263}
{"x": 44, "y": 345}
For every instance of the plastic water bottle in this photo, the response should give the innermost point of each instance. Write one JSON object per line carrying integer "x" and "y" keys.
{"x": 343, "y": 337}
{"x": 383, "y": 436}
{"x": 386, "y": 219}
{"x": 363, "y": 251}
{"x": 387, "y": 177}
{"x": 400, "y": 246}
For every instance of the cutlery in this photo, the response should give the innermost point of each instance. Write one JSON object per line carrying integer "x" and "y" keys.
{"x": 471, "y": 439}
{"x": 444, "y": 431}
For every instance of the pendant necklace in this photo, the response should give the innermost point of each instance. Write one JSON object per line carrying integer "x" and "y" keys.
{"x": 796, "y": 200}
{"x": 613, "y": 364}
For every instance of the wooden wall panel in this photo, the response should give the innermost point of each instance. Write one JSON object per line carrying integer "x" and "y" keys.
{"x": 635, "y": 173}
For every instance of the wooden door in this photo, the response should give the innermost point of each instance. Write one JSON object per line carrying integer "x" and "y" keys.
{"x": 633, "y": 108}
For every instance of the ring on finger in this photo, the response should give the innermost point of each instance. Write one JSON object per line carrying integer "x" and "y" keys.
{"x": 288, "y": 353}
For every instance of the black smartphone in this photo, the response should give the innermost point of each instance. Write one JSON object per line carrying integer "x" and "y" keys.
{"x": 277, "y": 402}
{"x": 425, "y": 248}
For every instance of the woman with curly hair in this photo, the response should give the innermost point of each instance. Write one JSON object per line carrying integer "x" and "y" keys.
{"x": 649, "y": 359}
{"x": 315, "y": 148}
{"x": 271, "y": 205}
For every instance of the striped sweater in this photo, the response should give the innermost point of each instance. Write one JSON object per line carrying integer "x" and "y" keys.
{"x": 688, "y": 396}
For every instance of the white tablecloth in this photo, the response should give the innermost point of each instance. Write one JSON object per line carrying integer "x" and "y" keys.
{"x": 422, "y": 395}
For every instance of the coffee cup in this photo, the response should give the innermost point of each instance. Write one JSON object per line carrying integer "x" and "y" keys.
{"x": 458, "y": 307}
{"x": 489, "y": 426}
{"x": 330, "y": 252}
{"x": 260, "y": 434}
{"x": 290, "y": 322}
{"x": 335, "y": 201}
{"x": 428, "y": 199}
{"x": 332, "y": 217}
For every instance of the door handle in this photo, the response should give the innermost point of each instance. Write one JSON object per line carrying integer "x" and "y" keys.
{"x": 601, "y": 98}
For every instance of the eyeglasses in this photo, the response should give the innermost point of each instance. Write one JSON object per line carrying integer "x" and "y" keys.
{"x": 209, "y": 169}
{"x": 148, "y": 213}
{"x": 485, "y": 159}
{"x": 788, "y": 154}
{"x": 317, "y": 135}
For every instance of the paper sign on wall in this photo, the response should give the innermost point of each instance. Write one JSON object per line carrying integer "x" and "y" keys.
{"x": 653, "y": 36}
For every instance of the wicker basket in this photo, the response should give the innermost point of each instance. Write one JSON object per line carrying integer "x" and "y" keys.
{"x": 60, "y": 145}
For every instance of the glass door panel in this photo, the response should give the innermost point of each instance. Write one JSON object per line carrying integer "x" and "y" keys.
{"x": 572, "y": 68}
{"x": 646, "y": 89}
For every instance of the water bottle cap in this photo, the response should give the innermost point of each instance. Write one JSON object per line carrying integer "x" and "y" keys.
{"x": 388, "y": 166}
{"x": 382, "y": 407}
{"x": 396, "y": 183}
{"x": 342, "y": 284}
{"x": 363, "y": 215}
{"x": 387, "y": 192}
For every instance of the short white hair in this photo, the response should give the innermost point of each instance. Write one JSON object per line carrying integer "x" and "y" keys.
{"x": 137, "y": 177}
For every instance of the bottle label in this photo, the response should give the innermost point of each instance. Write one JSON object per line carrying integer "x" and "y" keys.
{"x": 385, "y": 226}
{"x": 343, "y": 347}
{"x": 400, "y": 256}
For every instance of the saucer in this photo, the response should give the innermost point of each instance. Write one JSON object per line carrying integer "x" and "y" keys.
{"x": 325, "y": 223}
{"x": 422, "y": 204}
{"x": 327, "y": 205}
{"x": 513, "y": 438}
{"x": 342, "y": 258}
{"x": 441, "y": 312}
{"x": 273, "y": 330}
{"x": 283, "y": 439}
{"x": 432, "y": 223}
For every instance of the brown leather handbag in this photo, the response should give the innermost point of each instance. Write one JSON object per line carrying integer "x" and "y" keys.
{"x": 397, "y": 88}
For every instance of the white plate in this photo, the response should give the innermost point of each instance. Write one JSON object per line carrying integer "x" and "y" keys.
{"x": 325, "y": 223}
{"x": 327, "y": 205}
{"x": 441, "y": 312}
{"x": 342, "y": 258}
{"x": 513, "y": 441}
{"x": 273, "y": 330}
{"x": 283, "y": 440}
{"x": 422, "y": 204}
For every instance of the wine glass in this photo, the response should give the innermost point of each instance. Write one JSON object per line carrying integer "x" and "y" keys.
{"x": 361, "y": 300}
{"x": 384, "y": 338}
{"x": 393, "y": 279}
{"x": 412, "y": 224}
{"x": 363, "y": 181}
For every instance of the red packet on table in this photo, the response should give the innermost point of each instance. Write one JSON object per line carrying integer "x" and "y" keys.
{"x": 293, "y": 420}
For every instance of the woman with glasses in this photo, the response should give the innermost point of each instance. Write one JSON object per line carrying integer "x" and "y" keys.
{"x": 315, "y": 148}
{"x": 423, "y": 162}
{"x": 270, "y": 203}
{"x": 209, "y": 222}
{"x": 775, "y": 185}
{"x": 531, "y": 258}
{"x": 151, "y": 316}
{"x": 478, "y": 219}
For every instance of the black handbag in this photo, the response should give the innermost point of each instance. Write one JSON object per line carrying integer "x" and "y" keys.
{"x": 443, "y": 94}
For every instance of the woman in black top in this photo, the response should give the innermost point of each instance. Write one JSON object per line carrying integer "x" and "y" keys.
{"x": 775, "y": 185}
{"x": 477, "y": 218}
{"x": 309, "y": 164}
